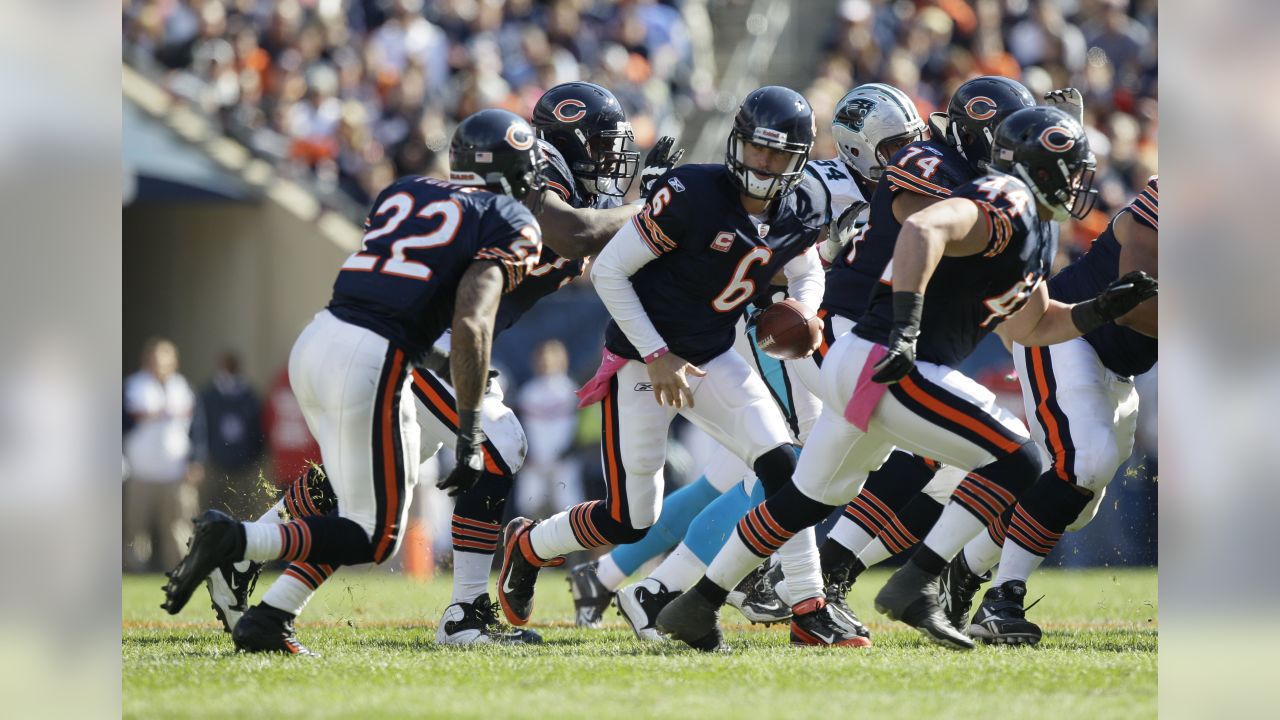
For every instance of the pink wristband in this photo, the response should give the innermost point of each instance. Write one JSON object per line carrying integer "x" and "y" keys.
{"x": 656, "y": 354}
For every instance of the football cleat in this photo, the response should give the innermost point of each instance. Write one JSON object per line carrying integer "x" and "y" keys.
{"x": 694, "y": 620}
{"x": 229, "y": 591}
{"x": 216, "y": 539}
{"x": 263, "y": 628}
{"x": 1002, "y": 620}
{"x": 756, "y": 597}
{"x": 639, "y": 605}
{"x": 814, "y": 623}
{"x": 834, "y": 594}
{"x": 476, "y": 623}
{"x": 956, "y": 589}
{"x": 519, "y": 572}
{"x": 911, "y": 596}
{"x": 590, "y": 597}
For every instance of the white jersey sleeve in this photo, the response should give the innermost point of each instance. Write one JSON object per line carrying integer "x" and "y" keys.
{"x": 847, "y": 208}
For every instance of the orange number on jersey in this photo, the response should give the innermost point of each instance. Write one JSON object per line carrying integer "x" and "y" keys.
{"x": 1010, "y": 301}
{"x": 741, "y": 288}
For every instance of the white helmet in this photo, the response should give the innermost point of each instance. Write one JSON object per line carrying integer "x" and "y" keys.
{"x": 872, "y": 122}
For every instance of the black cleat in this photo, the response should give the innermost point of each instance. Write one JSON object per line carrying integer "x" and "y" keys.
{"x": 216, "y": 539}
{"x": 639, "y": 605}
{"x": 1002, "y": 620}
{"x": 476, "y": 623}
{"x": 519, "y": 572}
{"x": 834, "y": 594}
{"x": 911, "y": 596}
{"x": 590, "y": 597}
{"x": 229, "y": 591}
{"x": 956, "y": 589}
{"x": 756, "y": 597}
{"x": 816, "y": 624}
{"x": 263, "y": 628}
{"x": 694, "y": 620}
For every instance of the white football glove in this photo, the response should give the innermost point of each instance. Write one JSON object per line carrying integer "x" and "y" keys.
{"x": 841, "y": 232}
{"x": 1068, "y": 100}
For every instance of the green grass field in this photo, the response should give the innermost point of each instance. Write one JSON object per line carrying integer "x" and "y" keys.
{"x": 375, "y": 633}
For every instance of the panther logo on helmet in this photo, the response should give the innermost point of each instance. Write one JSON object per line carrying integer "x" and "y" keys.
{"x": 519, "y": 136}
{"x": 575, "y": 115}
{"x": 854, "y": 113}
{"x": 1067, "y": 142}
{"x": 981, "y": 108}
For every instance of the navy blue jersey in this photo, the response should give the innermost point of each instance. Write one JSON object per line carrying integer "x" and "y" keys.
{"x": 711, "y": 257}
{"x": 968, "y": 297}
{"x": 553, "y": 272}
{"x": 1121, "y": 350}
{"x": 420, "y": 237}
{"x": 925, "y": 167}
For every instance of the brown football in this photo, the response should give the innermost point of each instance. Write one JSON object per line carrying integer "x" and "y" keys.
{"x": 788, "y": 330}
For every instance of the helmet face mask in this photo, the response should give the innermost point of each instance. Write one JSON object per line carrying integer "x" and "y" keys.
{"x": 871, "y": 124}
{"x": 776, "y": 118}
{"x": 759, "y": 182}
{"x": 612, "y": 167}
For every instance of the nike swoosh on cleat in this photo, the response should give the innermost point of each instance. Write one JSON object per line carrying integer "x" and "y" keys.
{"x": 506, "y": 585}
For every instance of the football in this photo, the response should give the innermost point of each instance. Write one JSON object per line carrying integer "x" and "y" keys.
{"x": 788, "y": 330}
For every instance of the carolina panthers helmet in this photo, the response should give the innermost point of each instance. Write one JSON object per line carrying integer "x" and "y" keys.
{"x": 587, "y": 125}
{"x": 778, "y": 118}
{"x": 1048, "y": 150}
{"x": 872, "y": 122}
{"x": 498, "y": 151}
{"x": 976, "y": 108}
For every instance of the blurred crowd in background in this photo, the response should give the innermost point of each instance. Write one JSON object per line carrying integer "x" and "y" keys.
{"x": 346, "y": 95}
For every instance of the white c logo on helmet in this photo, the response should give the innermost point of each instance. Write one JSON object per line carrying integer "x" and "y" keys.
{"x": 571, "y": 116}
{"x": 1047, "y": 139}
{"x": 976, "y": 110}
{"x": 519, "y": 136}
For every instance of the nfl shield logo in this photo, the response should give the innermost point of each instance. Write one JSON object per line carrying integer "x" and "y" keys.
{"x": 762, "y": 229}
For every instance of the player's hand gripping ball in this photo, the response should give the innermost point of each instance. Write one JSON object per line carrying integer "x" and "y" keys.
{"x": 788, "y": 330}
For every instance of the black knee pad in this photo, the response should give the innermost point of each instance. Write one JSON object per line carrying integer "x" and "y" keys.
{"x": 486, "y": 500}
{"x": 1016, "y": 471}
{"x": 1053, "y": 503}
{"x": 774, "y": 468}
{"x": 337, "y": 541}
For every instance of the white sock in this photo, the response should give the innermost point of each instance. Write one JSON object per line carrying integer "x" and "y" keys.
{"x": 874, "y": 553}
{"x": 732, "y": 563}
{"x": 955, "y": 527}
{"x": 981, "y": 553}
{"x": 553, "y": 537}
{"x": 609, "y": 574}
{"x": 262, "y": 541}
{"x": 680, "y": 571}
{"x": 802, "y": 567}
{"x": 1016, "y": 563}
{"x": 288, "y": 594}
{"x": 271, "y": 516}
{"x": 849, "y": 534}
{"x": 470, "y": 575}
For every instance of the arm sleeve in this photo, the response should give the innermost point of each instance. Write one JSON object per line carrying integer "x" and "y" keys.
{"x": 806, "y": 281}
{"x": 611, "y": 274}
{"x": 1146, "y": 207}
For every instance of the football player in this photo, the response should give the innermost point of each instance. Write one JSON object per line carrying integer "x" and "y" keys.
{"x": 676, "y": 281}
{"x": 1081, "y": 394}
{"x": 436, "y": 255}
{"x": 959, "y": 269}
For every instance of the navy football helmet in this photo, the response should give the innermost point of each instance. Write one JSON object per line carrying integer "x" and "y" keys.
{"x": 778, "y": 118}
{"x": 587, "y": 125}
{"x": 498, "y": 151}
{"x": 1048, "y": 150}
{"x": 977, "y": 108}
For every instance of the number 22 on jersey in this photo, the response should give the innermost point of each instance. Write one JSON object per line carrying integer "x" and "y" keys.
{"x": 400, "y": 207}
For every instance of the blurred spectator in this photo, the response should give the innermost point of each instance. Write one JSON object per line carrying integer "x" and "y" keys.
{"x": 160, "y": 492}
{"x": 228, "y": 438}
{"x": 289, "y": 442}
{"x": 548, "y": 409}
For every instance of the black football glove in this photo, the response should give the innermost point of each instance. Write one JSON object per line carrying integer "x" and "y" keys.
{"x": 1121, "y": 296}
{"x": 657, "y": 162}
{"x": 469, "y": 453}
{"x": 908, "y": 307}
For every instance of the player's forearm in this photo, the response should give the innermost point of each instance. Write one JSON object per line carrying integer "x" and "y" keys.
{"x": 577, "y": 233}
{"x": 919, "y": 249}
{"x": 1055, "y": 326}
{"x": 611, "y": 273}
{"x": 806, "y": 280}
{"x": 475, "y": 307}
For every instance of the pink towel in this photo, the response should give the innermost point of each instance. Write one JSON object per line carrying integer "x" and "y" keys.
{"x": 867, "y": 393}
{"x": 598, "y": 386}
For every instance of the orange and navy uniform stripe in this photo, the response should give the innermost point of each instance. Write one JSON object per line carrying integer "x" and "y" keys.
{"x": 943, "y": 408}
{"x": 295, "y": 540}
{"x": 1146, "y": 207}
{"x": 828, "y": 337}
{"x": 998, "y": 529}
{"x": 879, "y": 520}
{"x": 652, "y": 234}
{"x": 514, "y": 268}
{"x": 313, "y": 576}
{"x": 983, "y": 498}
{"x": 761, "y": 533}
{"x": 1030, "y": 534}
{"x": 584, "y": 527}
{"x": 1053, "y": 421}
{"x": 559, "y": 189}
{"x": 390, "y": 479}
{"x": 440, "y": 402}
{"x": 470, "y": 535}
{"x": 999, "y": 227}
{"x": 615, "y": 474}
{"x": 901, "y": 179}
